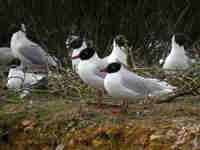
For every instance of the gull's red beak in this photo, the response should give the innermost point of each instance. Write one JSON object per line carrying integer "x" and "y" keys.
{"x": 75, "y": 57}
{"x": 102, "y": 70}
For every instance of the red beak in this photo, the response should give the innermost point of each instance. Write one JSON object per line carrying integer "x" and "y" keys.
{"x": 102, "y": 70}
{"x": 75, "y": 57}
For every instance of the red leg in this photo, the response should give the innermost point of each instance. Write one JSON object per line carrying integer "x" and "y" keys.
{"x": 124, "y": 107}
{"x": 100, "y": 93}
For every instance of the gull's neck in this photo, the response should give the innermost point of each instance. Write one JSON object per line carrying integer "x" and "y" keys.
{"x": 176, "y": 49}
{"x": 117, "y": 50}
{"x": 18, "y": 39}
{"x": 83, "y": 46}
{"x": 94, "y": 58}
{"x": 78, "y": 50}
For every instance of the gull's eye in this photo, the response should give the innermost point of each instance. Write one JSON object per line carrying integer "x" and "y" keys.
{"x": 113, "y": 67}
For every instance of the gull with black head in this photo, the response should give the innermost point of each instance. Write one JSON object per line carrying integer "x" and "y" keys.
{"x": 88, "y": 70}
{"x": 77, "y": 44}
{"x": 121, "y": 83}
{"x": 119, "y": 51}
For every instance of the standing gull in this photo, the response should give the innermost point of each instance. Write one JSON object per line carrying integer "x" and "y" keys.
{"x": 88, "y": 70}
{"x": 90, "y": 63}
{"x": 119, "y": 52}
{"x": 121, "y": 83}
{"x": 77, "y": 44}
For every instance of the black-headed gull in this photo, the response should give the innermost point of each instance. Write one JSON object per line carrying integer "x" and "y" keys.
{"x": 77, "y": 44}
{"x": 88, "y": 70}
{"x": 177, "y": 59}
{"x": 18, "y": 79}
{"x": 121, "y": 83}
{"x": 29, "y": 52}
{"x": 6, "y": 55}
{"x": 119, "y": 52}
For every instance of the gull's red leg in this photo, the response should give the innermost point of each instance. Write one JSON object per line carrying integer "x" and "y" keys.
{"x": 124, "y": 107}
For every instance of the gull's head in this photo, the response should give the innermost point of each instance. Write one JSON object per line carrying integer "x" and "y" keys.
{"x": 112, "y": 68}
{"x": 120, "y": 41}
{"x": 85, "y": 54}
{"x": 179, "y": 39}
{"x": 74, "y": 42}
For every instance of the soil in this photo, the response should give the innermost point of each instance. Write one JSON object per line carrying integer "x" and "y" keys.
{"x": 49, "y": 121}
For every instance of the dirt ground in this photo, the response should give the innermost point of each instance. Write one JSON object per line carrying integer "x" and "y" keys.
{"x": 50, "y": 121}
{"x": 65, "y": 117}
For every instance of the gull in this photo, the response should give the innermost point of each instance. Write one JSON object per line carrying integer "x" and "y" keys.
{"x": 88, "y": 70}
{"x": 177, "y": 58}
{"x": 6, "y": 55}
{"x": 88, "y": 67}
{"x": 77, "y": 44}
{"x": 121, "y": 83}
{"x": 119, "y": 52}
{"x": 28, "y": 51}
{"x": 18, "y": 79}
